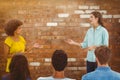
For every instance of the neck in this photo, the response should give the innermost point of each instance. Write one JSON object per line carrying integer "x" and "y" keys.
{"x": 95, "y": 25}
{"x": 103, "y": 65}
{"x": 59, "y": 74}
{"x": 15, "y": 37}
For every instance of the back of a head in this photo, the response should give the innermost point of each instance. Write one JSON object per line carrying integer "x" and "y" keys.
{"x": 59, "y": 60}
{"x": 19, "y": 68}
{"x": 103, "y": 54}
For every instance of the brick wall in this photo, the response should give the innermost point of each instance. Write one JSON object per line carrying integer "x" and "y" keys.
{"x": 50, "y": 22}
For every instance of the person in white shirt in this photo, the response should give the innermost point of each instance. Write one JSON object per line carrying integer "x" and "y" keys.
{"x": 59, "y": 62}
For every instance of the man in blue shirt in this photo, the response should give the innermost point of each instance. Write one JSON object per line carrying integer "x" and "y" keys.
{"x": 103, "y": 71}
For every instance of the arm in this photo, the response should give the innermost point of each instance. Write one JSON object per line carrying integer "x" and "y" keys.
{"x": 6, "y": 51}
{"x": 35, "y": 45}
{"x": 105, "y": 38}
{"x": 70, "y": 41}
{"x": 84, "y": 44}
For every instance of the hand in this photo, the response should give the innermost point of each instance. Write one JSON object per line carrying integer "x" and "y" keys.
{"x": 70, "y": 41}
{"x": 91, "y": 48}
{"x": 36, "y": 45}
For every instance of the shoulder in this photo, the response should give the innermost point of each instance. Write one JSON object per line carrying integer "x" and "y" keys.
{"x": 29, "y": 78}
{"x": 5, "y": 77}
{"x": 21, "y": 37}
{"x": 51, "y": 78}
{"x": 45, "y": 78}
{"x": 103, "y": 28}
{"x": 8, "y": 41}
{"x": 89, "y": 30}
{"x": 89, "y": 76}
{"x": 68, "y": 79}
{"x": 8, "y": 38}
{"x": 116, "y": 74}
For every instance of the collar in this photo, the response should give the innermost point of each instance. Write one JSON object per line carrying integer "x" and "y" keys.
{"x": 97, "y": 27}
{"x": 107, "y": 68}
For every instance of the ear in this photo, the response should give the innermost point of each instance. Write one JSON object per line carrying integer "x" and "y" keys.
{"x": 97, "y": 59}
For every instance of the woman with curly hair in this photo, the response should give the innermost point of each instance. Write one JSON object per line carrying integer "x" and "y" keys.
{"x": 14, "y": 43}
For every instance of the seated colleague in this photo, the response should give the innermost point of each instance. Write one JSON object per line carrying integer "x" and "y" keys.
{"x": 18, "y": 69}
{"x": 59, "y": 62}
{"x": 103, "y": 71}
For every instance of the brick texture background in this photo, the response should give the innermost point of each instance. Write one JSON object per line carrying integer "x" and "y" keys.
{"x": 50, "y": 22}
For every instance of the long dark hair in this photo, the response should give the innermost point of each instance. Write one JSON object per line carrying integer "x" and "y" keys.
{"x": 99, "y": 16}
{"x": 19, "y": 68}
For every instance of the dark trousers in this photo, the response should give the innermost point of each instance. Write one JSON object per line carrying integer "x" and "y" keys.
{"x": 91, "y": 66}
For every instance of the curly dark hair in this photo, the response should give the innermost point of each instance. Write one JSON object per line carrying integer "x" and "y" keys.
{"x": 59, "y": 60}
{"x": 11, "y": 26}
{"x": 19, "y": 69}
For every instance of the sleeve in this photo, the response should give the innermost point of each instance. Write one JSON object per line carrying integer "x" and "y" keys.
{"x": 105, "y": 38}
{"x": 8, "y": 41}
{"x": 84, "y": 77}
{"x": 84, "y": 44}
{"x": 23, "y": 40}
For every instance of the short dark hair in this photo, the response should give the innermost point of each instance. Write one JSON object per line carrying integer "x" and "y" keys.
{"x": 59, "y": 60}
{"x": 103, "y": 54}
{"x": 19, "y": 69}
{"x": 11, "y": 26}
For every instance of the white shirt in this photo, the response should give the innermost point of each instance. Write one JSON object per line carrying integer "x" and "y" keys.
{"x": 52, "y": 78}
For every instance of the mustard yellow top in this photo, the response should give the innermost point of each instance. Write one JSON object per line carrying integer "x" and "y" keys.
{"x": 16, "y": 46}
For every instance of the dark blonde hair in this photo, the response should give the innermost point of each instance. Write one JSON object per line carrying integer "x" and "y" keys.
{"x": 103, "y": 54}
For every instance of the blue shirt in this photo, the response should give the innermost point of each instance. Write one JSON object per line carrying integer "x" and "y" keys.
{"x": 102, "y": 73}
{"x": 95, "y": 37}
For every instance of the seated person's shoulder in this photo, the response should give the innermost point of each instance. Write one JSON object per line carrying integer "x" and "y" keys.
{"x": 68, "y": 79}
{"x": 6, "y": 77}
{"x": 51, "y": 78}
{"x": 89, "y": 75}
{"x": 45, "y": 78}
{"x": 116, "y": 74}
